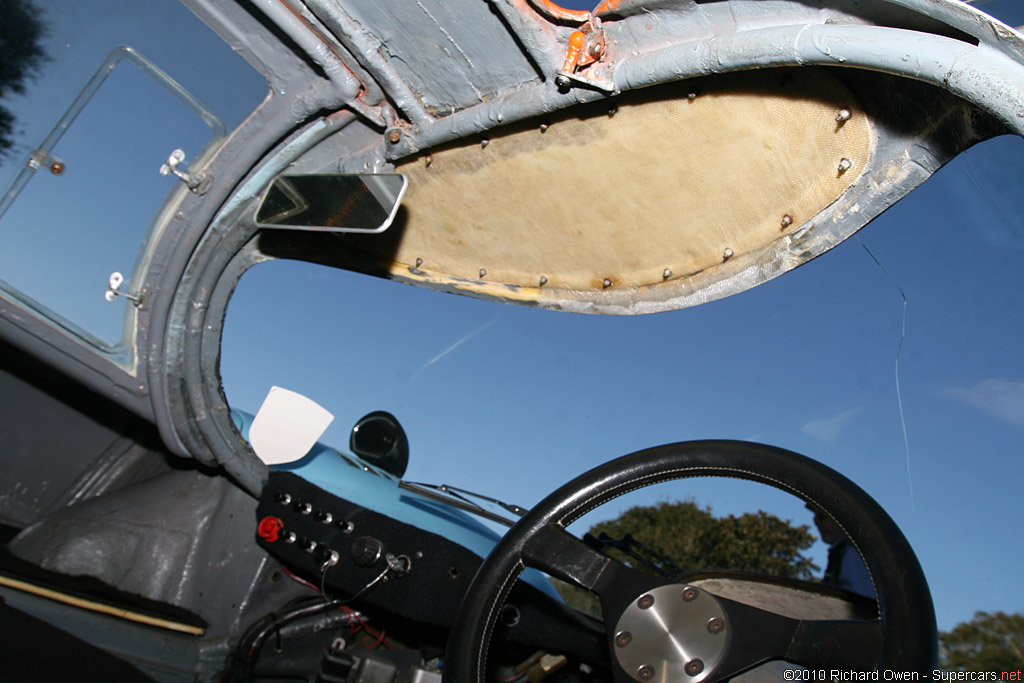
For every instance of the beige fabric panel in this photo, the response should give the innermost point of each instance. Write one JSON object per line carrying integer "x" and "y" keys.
{"x": 666, "y": 182}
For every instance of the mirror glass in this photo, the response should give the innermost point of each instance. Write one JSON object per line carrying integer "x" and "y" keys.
{"x": 335, "y": 202}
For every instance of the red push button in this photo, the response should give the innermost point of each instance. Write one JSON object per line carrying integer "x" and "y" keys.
{"x": 269, "y": 528}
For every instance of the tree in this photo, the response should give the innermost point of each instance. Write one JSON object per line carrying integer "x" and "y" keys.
{"x": 692, "y": 538}
{"x": 21, "y": 55}
{"x": 988, "y": 642}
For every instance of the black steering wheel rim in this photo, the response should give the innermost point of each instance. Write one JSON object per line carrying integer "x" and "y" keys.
{"x": 906, "y": 612}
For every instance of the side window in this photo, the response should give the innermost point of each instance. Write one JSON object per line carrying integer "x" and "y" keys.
{"x": 90, "y": 120}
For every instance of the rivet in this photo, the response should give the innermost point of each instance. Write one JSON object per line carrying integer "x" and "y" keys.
{"x": 543, "y": 280}
{"x": 844, "y": 165}
{"x": 419, "y": 262}
{"x": 689, "y": 594}
{"x": 613, "y": 110}
{"x": 694, "y": 667}
{"x": 484, "y": 143}
{"x": 787, "y": 221}
{"x": 843, "y": 116}
{"x": 430, "y": 160}
{"x": 691, "y": 96}
{"x": 645, "y": 602}
{"x": 624, "y": 639}
{"x": 179, "y": 215}
{"x": 483, "y": 272}
{"x": 645, "y": 672}
{"x": 667, "y": 273}
{"x": 716, "y": 625}
{"x": 395, "y": 135}
{"x": 728, "y": 254}
{"x": 607, "y": 283}
{"x": 562, "y": 81}
{"x": 500, "y": 117}
{"x": 544, "y": 127}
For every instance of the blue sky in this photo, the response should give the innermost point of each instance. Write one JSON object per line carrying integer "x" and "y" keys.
{"x": 512, "y": 402}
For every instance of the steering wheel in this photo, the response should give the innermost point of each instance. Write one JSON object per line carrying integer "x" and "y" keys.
{"x": 668, "y": 631}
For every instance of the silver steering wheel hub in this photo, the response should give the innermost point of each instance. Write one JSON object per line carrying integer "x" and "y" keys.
{"x": 672, "y": 633}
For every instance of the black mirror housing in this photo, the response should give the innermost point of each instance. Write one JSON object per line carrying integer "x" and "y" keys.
{"x": 378, "y": 438}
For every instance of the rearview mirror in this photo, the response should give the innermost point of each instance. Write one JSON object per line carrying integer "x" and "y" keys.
{"x": 363, "y": 202}
{"x": 379, "y": 439}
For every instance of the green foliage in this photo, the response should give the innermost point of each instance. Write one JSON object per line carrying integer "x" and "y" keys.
{"x": 21, "y": 55}
{"x": 988, "y": 642}
{"x": 694, "y": 539}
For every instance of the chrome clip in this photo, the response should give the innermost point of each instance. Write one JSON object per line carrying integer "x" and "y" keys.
{"x": 113, "y": 291}
{"x": 197, "y": 182}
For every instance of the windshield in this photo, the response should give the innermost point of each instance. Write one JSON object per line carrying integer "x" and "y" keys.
{"x": 892, "y": 358}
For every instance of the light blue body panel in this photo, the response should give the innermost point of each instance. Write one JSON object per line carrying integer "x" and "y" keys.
{"x": 355, "y": 480}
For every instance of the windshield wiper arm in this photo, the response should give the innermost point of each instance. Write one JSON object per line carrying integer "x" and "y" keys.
{"x": 460, "y": 498}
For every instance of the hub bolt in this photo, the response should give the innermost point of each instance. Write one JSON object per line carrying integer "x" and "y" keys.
{"x": 624, "y": 639}
{"x": 645, "y": 672}
{"x": 689, "y": 594}
{"x": 694, "y": 667}
{"x": 645, "y": 602}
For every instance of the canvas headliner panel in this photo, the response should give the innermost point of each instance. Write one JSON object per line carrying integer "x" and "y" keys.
{"x": 603, "y": 201}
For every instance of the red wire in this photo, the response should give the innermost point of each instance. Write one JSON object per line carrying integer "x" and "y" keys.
{"x": 299, "y": 579}
{"x": 354, "y": 616}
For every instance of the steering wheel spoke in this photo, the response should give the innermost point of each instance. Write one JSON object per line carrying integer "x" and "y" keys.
{"x": 558, "y": 553}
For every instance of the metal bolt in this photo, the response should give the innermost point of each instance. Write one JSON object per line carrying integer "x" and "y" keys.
{"x": 844, "y": 165}
{"x": 728, "y": 254}
{"x": 667, "y": 273}
{"x": 544, "y": 127}
{"x": 624, "y": 639}
{"x": 543, "y": 280}
{"x": 613, "y": 110}
{"x": 689, "y": 594}
{"x": 483, "y": 272}
{"x": 716, "y": 625}
{"x": 430, "y": 160}
{"x": 645, "y": 672}
{"x": 694, "y": 667}
{"x": 787, "y": 221}
{"x": 843, "y": 116}
{"x": 691, "y": 96}
{"x": 484, "y": 143}
{"x": 645, "y": 602}
{"x": 562, "y": 81}
{"x": 395, "y": 135}
{"x": 607, "y": 283}
{"x": 419, "y": 262}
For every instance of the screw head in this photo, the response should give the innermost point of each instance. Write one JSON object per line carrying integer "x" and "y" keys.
{"x": 689, "y": 594}
{"x": 645, "y": 672}
{"x": 562, "y": 81}
{"x": 694, "y": 667}
{"x": 624, "y": 639}
{"x": 716, "y": 625}
{"x": 395, "y": 135}
{"x": 645, "y": 602}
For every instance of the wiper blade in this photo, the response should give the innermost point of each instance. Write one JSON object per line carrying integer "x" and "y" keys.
{"x": 462, "y": 499}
